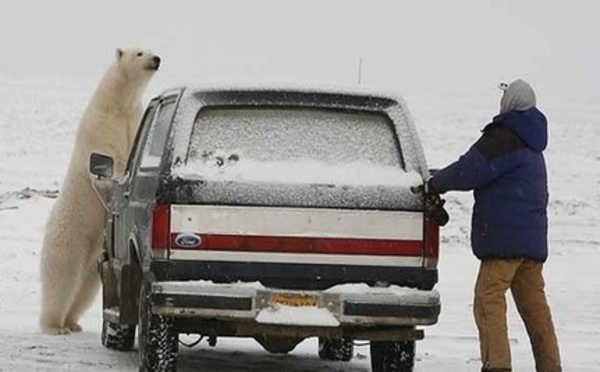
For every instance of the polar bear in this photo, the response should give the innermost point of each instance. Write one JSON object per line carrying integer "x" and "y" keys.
{"x": 74, "y": 230}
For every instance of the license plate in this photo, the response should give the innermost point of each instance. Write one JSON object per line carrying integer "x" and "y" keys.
{"x": 294, "y": 299}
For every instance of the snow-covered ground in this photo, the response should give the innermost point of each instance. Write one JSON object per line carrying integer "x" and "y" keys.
{"x": 37, "y": 122}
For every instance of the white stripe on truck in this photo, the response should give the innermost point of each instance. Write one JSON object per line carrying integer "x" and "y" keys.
{"x": 297, "y": 222}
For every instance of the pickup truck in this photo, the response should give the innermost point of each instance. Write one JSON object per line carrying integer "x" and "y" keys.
{"x": 272, "y": 213}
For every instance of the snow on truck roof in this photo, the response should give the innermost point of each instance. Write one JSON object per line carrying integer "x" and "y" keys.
{"x": 360, "y": 91}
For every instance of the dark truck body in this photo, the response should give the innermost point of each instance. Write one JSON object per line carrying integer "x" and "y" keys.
{"x": 278, "y": 214}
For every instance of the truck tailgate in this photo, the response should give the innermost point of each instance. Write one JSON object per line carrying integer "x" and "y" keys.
{"x": 310, "y": 248}
{"x": 297, "y": 235}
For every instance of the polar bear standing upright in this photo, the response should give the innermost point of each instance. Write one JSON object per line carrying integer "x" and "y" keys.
{"x": 74, "y": 231}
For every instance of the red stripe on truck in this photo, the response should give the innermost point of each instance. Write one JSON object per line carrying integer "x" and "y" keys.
{"x": 247, "y": 243}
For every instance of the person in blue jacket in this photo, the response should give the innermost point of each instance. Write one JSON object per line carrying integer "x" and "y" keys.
{"x": 506, "y": 170}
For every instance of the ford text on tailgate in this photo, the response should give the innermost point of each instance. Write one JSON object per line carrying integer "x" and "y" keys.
{"x": 273, "y": 214}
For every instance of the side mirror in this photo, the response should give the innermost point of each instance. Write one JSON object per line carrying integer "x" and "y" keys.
{"x": 101, "y": 165}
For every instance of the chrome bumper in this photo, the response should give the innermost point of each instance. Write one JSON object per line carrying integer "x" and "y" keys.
{"x": 334, "y": 307}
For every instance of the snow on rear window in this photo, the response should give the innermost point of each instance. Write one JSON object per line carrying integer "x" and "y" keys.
{"x": 294, "y": 145}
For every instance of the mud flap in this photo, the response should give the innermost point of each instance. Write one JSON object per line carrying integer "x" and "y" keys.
{"x": 131, "y": 282}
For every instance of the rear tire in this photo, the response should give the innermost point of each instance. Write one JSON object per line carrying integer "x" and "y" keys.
{"x": 116, "y": 336}
{"x": 393, "y": 356}
{"x": 157, "y": 340}
{"x": 336, "y": 349}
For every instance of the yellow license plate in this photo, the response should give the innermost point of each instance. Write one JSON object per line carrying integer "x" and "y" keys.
{"x": 294, "y": 299}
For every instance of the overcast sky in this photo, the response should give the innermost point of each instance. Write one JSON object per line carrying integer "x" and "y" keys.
{"x": 458, "y": 46}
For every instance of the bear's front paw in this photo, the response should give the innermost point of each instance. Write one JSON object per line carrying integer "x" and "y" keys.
{"x": 56, "y": 331}
{"x": 74, "y": 327}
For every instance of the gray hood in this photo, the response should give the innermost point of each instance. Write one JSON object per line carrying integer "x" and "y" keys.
{"x": 518, "y": 96}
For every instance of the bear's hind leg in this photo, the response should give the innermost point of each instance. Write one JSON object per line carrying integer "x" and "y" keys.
{"x": 86, "y": 294}
{"x": 60, "y": 274}
{"x": 55, "y": 300}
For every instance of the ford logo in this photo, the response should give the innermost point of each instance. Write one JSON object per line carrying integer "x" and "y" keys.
{"x": 188, "y": 240}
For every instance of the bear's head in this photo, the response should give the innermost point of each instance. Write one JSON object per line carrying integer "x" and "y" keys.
{"x": 137, "y": 63}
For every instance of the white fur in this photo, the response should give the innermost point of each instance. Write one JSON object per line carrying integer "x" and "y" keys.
{"x": 74, "y": 230}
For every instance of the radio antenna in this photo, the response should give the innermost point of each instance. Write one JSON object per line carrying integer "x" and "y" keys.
{"x": 359, "y": 70}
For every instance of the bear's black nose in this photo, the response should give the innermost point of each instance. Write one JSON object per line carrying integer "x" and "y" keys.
{"x": 156, "y": 60}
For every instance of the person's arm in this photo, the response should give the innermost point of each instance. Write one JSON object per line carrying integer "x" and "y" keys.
{"x": 480, "y": 165}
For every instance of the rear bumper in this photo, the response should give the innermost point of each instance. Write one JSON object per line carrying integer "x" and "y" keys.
{"x": 344, "y": 305}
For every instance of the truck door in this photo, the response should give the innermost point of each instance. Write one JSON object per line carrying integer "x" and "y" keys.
{"x": 122, "y": 194}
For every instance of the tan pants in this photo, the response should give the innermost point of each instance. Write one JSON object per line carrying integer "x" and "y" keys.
{"x": 525, "y": 280}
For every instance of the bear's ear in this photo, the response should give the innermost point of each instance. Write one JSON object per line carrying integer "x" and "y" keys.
{"x": 119, "y": 53}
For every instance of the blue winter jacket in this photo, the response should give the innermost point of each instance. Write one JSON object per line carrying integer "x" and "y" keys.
{"x": 507, "y": 172}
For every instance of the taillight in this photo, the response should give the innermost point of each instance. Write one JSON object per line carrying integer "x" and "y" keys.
{"x": 161, "y": 226}
{"x": 432, "y": 243}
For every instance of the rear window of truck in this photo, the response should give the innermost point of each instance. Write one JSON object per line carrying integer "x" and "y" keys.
{"x": 306, "y": 145}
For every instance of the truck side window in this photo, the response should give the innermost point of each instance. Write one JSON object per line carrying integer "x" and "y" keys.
{"x": 157, "y": 137}
{"x": 140, "y": 136}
